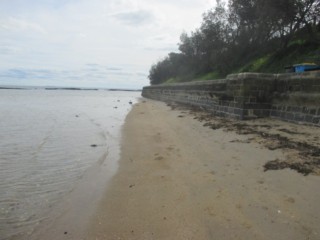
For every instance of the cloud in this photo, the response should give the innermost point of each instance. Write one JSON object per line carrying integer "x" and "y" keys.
{"x": 141, "y": 74}
{"x": 135, "y": 18}
{"x": 113, "y": 69}
{"x": 7, "y": 50}
{"x": 90, "y": 42}
{"x": 92, "y": 65}
{"x": 16, "y": 24}
{"x": 20, "y": 73}
{"x": 83, "y": 77}
{"x": 14, "y": 73}
{"x": 162, "y": 49}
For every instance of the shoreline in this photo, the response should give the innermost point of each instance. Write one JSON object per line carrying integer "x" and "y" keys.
{"x": 178, "y": 179}
{"x": 69, "y": 216}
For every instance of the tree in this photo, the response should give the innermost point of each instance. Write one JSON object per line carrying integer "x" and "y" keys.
{"x": 231, "y": 36}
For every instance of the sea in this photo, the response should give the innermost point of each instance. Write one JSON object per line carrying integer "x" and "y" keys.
{"x": 57, "y": 147}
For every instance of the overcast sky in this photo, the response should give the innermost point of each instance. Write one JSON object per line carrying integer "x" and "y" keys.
{"x": 90, "y": 43}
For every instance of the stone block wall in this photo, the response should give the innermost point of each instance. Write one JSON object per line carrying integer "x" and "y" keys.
{"x": 253, "y": 92}
{"x": 292, "y": 97}
{"x": 297, "y": 97}
{"x": 211, "y": 95}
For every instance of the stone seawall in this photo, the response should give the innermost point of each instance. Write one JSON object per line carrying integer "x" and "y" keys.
{"x": 291, "y": 97}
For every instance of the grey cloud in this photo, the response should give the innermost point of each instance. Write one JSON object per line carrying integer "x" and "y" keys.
{"x": 160, "y": 38}
{"x": 135, "y": 18}
{"x": 101, "y": 68}
{"x": 14, "y": 73}
{"x": 88, "y": 74}
{"x": 17, "y": 73}
{"x": 40, "y": 73}
{"x": 4, "y": 50}
{"x": 92, "y": 65}
{"x": 141, "y": 74}
{"x": 183, "y": 3}
{"x": 121, "y": 74}
{"x": 22, "y": 73}
{"x": 113, "y": 69}
{"x": 165, "y": 49}
{"x": 96, "y": 70}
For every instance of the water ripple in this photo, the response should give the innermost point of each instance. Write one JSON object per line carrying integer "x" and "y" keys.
{"x": 45, "y": 146}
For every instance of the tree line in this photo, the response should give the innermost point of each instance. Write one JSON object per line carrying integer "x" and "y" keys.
{"x": 232, "y": 33}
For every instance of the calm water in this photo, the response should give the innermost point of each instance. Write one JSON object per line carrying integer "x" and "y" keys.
{"x": 48, "y": 140}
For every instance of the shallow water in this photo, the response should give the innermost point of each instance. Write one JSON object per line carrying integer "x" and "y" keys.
{"x": 48, "y": 140}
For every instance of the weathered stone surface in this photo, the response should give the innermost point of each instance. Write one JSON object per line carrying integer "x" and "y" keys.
{"x": 291, "y": 96}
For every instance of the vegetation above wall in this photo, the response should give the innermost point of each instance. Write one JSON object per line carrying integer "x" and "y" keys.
{"x": 251, "y": 36}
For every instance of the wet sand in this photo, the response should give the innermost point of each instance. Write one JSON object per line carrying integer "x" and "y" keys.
{"x": 187, "y": 175}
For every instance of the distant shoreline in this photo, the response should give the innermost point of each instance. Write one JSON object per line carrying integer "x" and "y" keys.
{"x": 67, "y": 88}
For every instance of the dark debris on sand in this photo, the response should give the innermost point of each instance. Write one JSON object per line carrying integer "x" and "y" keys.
{"x": 304, "y": 168}
{"x": 307, "y": 160}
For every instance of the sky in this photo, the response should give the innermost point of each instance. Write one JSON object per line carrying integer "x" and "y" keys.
{"x": 90, "y": 43}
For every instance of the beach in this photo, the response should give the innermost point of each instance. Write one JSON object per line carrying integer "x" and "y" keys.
{"x": 186, "y": 175}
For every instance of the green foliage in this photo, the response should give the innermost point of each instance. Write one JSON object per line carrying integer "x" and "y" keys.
{"x": 209, "y": 76}
{"x": 296, "y": 42}
{"x": 298, "y": 51}
{"x": 294, "y": 54}
{"x": 171, "y": 80}
{"x": 254, "y": 65}
{"x": 252, "y": 36}
{"x": 174, "y": 80}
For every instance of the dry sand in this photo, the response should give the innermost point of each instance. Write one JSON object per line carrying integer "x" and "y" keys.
{"x": 178, "y": 179}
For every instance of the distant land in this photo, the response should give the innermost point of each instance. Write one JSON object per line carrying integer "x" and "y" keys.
{"x": 65, "y": 88}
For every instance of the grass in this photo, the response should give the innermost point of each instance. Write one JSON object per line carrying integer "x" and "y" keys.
{"x": 255, "y": 65}
{"x": 208, "y": 76}
{"x": 298, "y": 51}
{"x": 205, "y": 77}
{"x": 171, "y": 80}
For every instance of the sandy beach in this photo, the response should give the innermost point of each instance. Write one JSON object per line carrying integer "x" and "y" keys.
{"x": 186, "y": 175}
